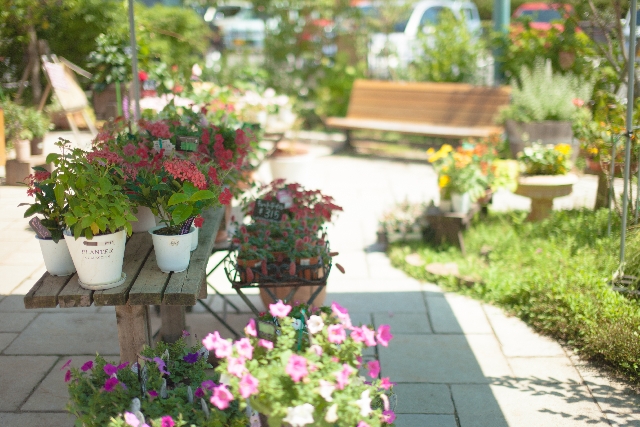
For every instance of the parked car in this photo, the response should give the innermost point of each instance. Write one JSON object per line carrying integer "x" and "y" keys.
{"x": 542, "y": 16}
{"x": 626, "y": 23}
{"x": 236, "y": 24}
{"x": 402, "y": 42}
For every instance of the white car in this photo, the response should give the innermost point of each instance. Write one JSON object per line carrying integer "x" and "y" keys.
{"x": 626, "y": 23}
{"x": 399, "y": 48}
{"x": 237, "y": 23}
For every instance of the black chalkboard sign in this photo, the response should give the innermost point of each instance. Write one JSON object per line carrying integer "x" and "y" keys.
{"x": 40, "y": 229}
{"x": 268, "y": 209}
{"x": 187, "y": 143}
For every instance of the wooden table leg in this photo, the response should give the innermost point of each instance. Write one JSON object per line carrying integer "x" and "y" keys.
{"x": 173, "y": 322}
{"x": 134, "y": 330}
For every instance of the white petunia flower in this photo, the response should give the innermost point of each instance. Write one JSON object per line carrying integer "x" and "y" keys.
{"x": 326, "y": 389}
{"x": 332, "y": 414}
{"x": 299, "y": 416}
{"x": 364, "y": 403}
{"x": 315, "y": 324}
{"x": 225, "y": 379}
{"x": 296, "y": 324}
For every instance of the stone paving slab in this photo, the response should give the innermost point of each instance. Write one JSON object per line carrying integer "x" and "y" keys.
{"x": 14, "y": 275}
{"x": 19, "y": 376}
{"x": 394, "y": 302}
{"x": 6, "y": 339}
{"x": 489, "y": 356}
{"x": 428, "y": 420}
{"x": 476, "y": 406}
{"x": 423, "y": 399}
{"x": 68, "y": 333}
{"x": 469, "y": 314}
{"x": 446, "y": 359}
{"x": 15, "y": 322}
{"x": 405, "y": 323}
{"x": 36, "y": 419}
{"x": 558, "y": 369}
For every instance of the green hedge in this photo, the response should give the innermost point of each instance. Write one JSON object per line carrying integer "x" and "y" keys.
{"x": 554, "y": 275}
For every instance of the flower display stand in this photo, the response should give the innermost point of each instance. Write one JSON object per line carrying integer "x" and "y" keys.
{"x": 448, "y": 226}
{"x": 542, "y": 189}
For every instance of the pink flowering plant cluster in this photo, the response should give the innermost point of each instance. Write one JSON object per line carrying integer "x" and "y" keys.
{"x": 45, "y": 204}
{"x": 164, "y": 389}
{"x": 313, "y": 373}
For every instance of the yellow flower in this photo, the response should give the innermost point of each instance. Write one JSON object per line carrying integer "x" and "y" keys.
{"x": 431, "y": 151}
{"x": 593, "y": 150}
{"x": 443, "y": 181}
{"x": 563, "y": 148}
{"x": 446, "y": 148}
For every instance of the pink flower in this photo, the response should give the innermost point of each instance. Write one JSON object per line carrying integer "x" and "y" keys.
{"x": 67, "y": 376}
{"x": 359, "y": 359}
{"x": 297, "y": 367}
{"x": 221, "y": 397}
{"x": 244, "y": 348}
{"x": 236, "y": 366}
{"x": 248, "y": 385}
{"x": 279, "y": 309}
{"x": 211, "y": 341}
{"x": 362, "y": 424}
{"x": 385, "y": 383}
{"x": 110, "y": 369}
{"x": 369, "y": 336}
{"x": 131, "y": 419}
{"x": 578, "y": 102}
{"x": 388, "y": 416}
{"x": 224, "y": 349}
{"x": 357, "y": 335}
{"x": 185, "y": 170}
{"x": 167, "y": 421}
{"x": 110, "y": 384}
{"x": 225, "y": 197}
{"x": 266, "y": 344}
{"x": 384, "y": 335}
{"x": 343, "y": 376}
{"x": 341, "y": 313}
{"x": 374, "y": 368}
{"x": 250, "y": 329}
{"x": 88, "y": 365}
{"x": 336, "y": 334}
{"x": 129, "y": 149}
{"x": 317, "y": 349}
{"x": 66, "y": 365}
{"x": 215, "y": 342}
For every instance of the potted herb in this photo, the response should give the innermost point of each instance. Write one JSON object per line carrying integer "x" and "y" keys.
{"x": 38, "y": 124}
{"x": 98, "y": 216}
{"x": 17, "y": 133}
{"x": 50, "y": 223}
{"x": 299, "y": 366}
{"x": 544, "y": 176}
{"x": 543, "y": 107}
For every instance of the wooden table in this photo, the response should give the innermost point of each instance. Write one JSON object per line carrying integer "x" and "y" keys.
{"x": 145, "y": 285}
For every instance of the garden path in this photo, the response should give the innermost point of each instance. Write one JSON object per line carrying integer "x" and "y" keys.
{"x": 457, "y": 362}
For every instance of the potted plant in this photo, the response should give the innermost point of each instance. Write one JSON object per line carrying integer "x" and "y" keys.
{"x": 168, "y": 386}
{"x": 545, "y": 176}
{"x": 55, "y": 252}
{"x": 98, "y": 216}
{"x": 299, "y": 366}
{"x": 543, "y": 106}
{"x": 17, "y": 133}
{"x": 403, "y": 222}
{"x": 38, "y": 124}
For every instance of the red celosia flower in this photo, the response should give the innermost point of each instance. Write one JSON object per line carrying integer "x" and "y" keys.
{"x": 198, "y": 221}
{"x": 186, "y": 171}
{"x": 213, "y": 175}
{"x": 225, "y": 197}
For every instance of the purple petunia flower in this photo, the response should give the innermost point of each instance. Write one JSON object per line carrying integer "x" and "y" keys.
{"x": 87, "y": 366}
{"x": 67, "y": 376}
{"x": 162, "y": 367}
{"x": 110, "y": 384}
{"x": 199, "y": 393}
{"x": 191, "y": 358}
{"x": 110, "y": 369}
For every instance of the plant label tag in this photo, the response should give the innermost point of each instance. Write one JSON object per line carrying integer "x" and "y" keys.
{"x": 40, "y": 229}
{"x": 269, "y": 210}
{"x": 267, "y": 330}
{"x": 163, "y": 144}
{"x": 187, "y": 143}
{"x": 284, "y": 196}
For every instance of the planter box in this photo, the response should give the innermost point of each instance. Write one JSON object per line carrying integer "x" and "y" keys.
{"x": 521, "y": 135}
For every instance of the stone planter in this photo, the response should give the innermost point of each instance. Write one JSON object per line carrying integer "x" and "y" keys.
{"x": 521, "y": 135}
{"x": 542, "y": 189}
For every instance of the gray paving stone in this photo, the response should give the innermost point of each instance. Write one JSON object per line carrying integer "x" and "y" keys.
{"x": 52, "y": 393}
{"x": 469, "y": 314}
{"x": 5, "y": 339}
{"x": 423, "y": 399}
{"x": 68, "y": 333}
{"x": 395, "y": 302}
{"x": 558, "y": 369}
{"x": 340, "y": 283}
{"x": 19, "y": 376}
{"x": 433, "y": 359}
{"x": 415, "y": 420}
{"x": 36, "y": 419}
{"x": 518, "y": 339}
{"x": 404, "y": 323}
{"x": 443, "y": 320}
{"x": 15, "y": 304}
{"x": 14, "y": 275}
{"x": 477, "y": 407}
{"x": 15, "y": 322}
{"x": 488, "y": 354}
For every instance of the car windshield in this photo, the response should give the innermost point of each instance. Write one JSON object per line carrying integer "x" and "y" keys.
{"x": 401, "y": 24}
{"x": 542, "y": 15}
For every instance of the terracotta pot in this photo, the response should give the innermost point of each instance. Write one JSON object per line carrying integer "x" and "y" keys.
{"x": 23, "y": 150}
{"x": 223, "y": 231}
{"x": 598, "y": 167}
{"x": 303, "y": 294}
{"x": 253, "y": 265}
{"x": 37, "y": 146}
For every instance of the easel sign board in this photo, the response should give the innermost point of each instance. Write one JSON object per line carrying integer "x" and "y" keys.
{"x": 66, "y": 87}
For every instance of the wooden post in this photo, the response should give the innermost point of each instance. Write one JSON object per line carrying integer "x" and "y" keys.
{"x": 3, "y": 148}
{"x": 173, "y": 322}
{"x": 134, "y": 330}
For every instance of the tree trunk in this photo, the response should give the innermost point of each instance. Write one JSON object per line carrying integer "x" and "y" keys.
{"x": 34, "y": 63}
{"x": 602, "y": 195}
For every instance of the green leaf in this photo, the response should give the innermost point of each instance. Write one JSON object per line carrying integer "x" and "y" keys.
{"x": 52, "y": 157}
{"x": 105, "y": 184}
{"x": 86, "y": 222}
{"x": 202, "y": 195}
{"x": 59, "y": 192}
{"x": 189, "y": 188}
{"x": 181, "y": 213}
{"x": 31, "y": 210}
{"x": 178, "y": 198}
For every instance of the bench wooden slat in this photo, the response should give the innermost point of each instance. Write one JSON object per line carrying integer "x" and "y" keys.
{"x": 413, "y": 128}
{"x": 136, "y": 252}
{"x": 150, "y": 285}
{"x": 73, "y": 295}
{"x": 44, "y": 293}
{"x": 184, "y": 287}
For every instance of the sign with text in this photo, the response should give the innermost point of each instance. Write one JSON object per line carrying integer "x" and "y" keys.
{"x": 187, "y": 143}
{"x": 40, "y": 229}
{"x": 269, "y": 210}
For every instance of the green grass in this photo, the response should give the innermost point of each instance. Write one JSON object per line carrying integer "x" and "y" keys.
{"x": 554, "y": 275}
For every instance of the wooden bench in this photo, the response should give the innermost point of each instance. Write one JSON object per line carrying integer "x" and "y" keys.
{"x": 145, "y": 285}
{"x": 445, "y": 110}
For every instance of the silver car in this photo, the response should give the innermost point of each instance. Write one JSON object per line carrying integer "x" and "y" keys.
{"x": 237, "y": 24}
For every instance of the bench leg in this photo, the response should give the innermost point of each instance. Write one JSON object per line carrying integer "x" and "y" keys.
{"x": 134, "y": 330}
{"x": 348, "y": 141}
{"x": 173, "y": 322}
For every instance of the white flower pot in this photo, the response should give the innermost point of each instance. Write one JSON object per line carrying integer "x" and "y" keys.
{"x": 461, "y": 203}
{"x": 294, "y": 168}
{"x": 445, "y": 206}
{"x": 172, "y": 252}
{"x": 23, "y": 150}
{"x": 56, "y": 256}
{"x": 99, "y": 260}
{"x": 146, "y": 220}
{"x": 194, "y": 237}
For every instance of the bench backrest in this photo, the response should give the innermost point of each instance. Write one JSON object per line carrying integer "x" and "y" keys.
{"x": 451, "y": 104}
